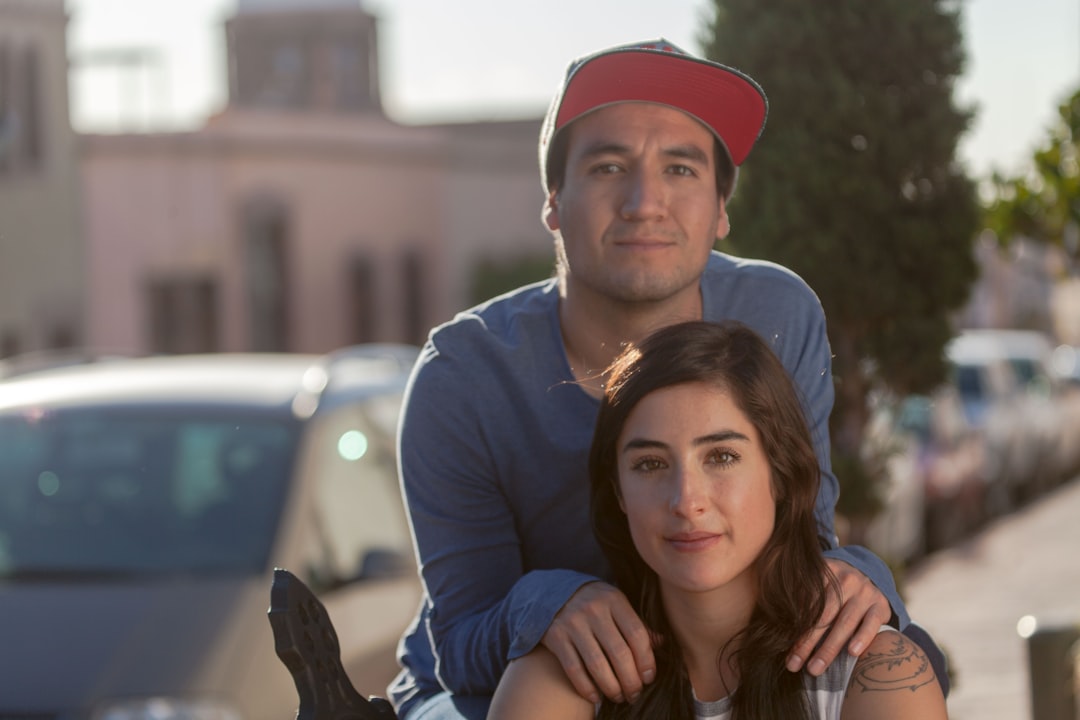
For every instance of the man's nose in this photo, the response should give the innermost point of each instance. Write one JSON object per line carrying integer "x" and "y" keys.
{"x": 645, "y": 197}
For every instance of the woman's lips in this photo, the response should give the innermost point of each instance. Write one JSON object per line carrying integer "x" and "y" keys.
{"x": 693, "y": 541}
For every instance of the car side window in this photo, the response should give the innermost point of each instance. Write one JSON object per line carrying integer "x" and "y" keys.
{"x": 351, "y": 460}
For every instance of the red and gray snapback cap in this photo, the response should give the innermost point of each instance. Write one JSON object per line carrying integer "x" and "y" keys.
{"x": 725, "y": 100}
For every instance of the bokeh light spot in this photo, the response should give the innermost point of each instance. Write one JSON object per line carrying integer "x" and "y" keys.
{"x": 352, "y": 445}
{"x": 48, "y": 483}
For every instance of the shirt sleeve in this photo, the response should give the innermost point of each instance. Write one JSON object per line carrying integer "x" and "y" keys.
{"x": 809, "y": 360}
{"x": 484, "y": 609}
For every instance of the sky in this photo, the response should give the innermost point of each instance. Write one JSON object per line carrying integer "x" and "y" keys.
{"x": 487, "y": 59}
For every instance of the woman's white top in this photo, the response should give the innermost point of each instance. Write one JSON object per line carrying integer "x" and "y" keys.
{"x": 826, "y": 693}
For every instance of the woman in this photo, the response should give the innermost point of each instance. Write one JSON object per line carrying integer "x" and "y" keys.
{"x": 704, "y": 480}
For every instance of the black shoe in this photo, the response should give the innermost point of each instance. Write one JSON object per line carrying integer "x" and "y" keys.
{"x": 305, "y": 640}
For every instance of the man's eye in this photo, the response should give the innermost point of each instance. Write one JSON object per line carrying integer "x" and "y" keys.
{"x": 684, "y": 170}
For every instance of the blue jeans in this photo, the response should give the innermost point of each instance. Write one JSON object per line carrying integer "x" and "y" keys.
{"x": 445, "y": 706}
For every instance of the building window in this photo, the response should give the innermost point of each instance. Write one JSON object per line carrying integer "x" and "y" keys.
{"x": 9, "y": 344}
{"x": 31, "y": 107}
{"x": 7, "y": 110}
{"x": 412, "y": 276}
{"x": 361, "y": 284}
{"x": 183, "y": 315}
{"x": 266, "y": 247}
{"x": 20, "y": 108}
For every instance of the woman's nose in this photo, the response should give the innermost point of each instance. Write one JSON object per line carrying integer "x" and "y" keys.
{"x": 688, "y": 494}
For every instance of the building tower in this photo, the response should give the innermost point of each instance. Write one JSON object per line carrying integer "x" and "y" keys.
{"x": 306, "y": 55}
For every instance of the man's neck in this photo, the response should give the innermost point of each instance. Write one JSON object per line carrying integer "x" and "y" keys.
{"x": 596, "y": 329}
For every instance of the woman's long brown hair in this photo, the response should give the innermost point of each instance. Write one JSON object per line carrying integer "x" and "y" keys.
{"x": 792, "y": 576}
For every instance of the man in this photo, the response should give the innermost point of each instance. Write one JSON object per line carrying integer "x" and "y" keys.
{"x": 638, "y": 156}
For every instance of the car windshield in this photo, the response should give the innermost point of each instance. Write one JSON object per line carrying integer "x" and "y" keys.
{"x": 122, "y": 492}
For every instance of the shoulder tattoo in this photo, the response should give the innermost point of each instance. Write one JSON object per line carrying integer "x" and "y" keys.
{"x": 899, "y": 665}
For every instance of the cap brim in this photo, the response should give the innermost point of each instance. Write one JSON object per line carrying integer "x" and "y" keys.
{"x": 728, "y": 102}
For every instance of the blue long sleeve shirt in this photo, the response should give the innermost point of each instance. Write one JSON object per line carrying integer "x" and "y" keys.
{"x": 494, "y": 443}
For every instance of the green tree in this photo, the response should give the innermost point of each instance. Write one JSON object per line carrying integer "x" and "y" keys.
{"x": 491, "y": 277}
{"x": 1044, "y": 203}
{"x": 855, "y": 185}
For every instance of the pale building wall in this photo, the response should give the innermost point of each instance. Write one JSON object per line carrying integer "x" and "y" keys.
{"x": 160, "y": 204}
{"x": 41, "y": 261}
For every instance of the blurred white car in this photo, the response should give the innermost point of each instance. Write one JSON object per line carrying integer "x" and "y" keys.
{"x": 145, "y": 503}
{"x": 897, "y": 532}
{"x": 1008, "y": 391}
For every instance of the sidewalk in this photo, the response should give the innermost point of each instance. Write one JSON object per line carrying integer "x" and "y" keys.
{"x": 970, "y": 598}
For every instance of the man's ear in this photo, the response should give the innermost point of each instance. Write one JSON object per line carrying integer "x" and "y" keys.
{"x": 723, "y": 225}
{"x": 551, "y": 211}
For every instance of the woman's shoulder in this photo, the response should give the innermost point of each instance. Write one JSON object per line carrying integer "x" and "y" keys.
{"x": 893, "y": 679}
{"x": 535, "y": 686}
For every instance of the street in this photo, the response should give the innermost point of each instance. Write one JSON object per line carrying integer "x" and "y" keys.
{"x": 970, "y": 598}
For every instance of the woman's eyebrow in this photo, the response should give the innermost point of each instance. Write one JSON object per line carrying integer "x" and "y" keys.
{"x": 720, "y": 436}
{"x": 643, "y": 443}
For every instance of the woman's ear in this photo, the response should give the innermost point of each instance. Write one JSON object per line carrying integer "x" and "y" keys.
{"x": 618, "y": 495}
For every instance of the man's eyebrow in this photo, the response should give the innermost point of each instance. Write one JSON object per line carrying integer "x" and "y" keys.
{"x": 604, "y": 147}
{"x": 688, "y": 152}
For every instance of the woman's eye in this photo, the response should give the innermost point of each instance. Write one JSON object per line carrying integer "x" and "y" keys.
{"x": 723, "y": 457}
{"x": 647, "y": 464}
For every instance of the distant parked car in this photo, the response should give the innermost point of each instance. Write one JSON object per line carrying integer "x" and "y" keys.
{"x": 897, "y": 533}
{"x": 951, "y": 462}
{"x": 144, "y": 504}
{"x": 1005, "y": 383}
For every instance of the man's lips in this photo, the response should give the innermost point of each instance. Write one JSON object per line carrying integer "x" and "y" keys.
{"x": 693, "y": 541}
{"x": 644, "y": 243}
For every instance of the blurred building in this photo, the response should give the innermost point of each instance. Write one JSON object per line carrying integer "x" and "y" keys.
{"x": 1021, "y": 286}
{"x": 41, "y": 260}
{"x": 300, "y": 217}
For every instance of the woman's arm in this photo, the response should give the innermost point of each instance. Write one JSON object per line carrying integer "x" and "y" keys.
{"x": 893, "y": 680}
{"x": 535, "y": 687}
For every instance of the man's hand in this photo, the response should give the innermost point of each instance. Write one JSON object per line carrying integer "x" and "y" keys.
{"x": 602, "y": 644}
{"x": 854, "y": 617}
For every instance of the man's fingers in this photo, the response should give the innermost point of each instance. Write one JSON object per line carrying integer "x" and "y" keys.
{"x": 797, "y": 659}
{"x": 868, "y": 630}
{"x": 622, "y": 654}
{"x": 854, "y": 629}
{"x": 600, "y": 667}
{"x": 842, "y": 629}
{"x": 637, "y": 667}
{"x": 602, "y": 645}
{"x": 563, "y": 648}
{"x": 799, "y": 656}
{"x": 864, "y": 609}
